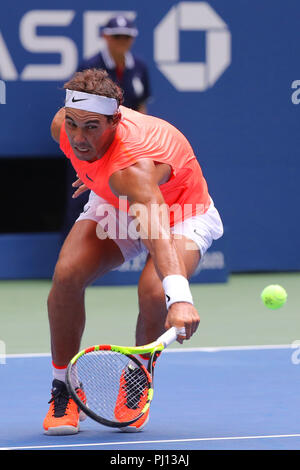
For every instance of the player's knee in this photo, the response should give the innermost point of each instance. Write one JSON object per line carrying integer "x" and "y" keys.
{"x": 67, "y": 276}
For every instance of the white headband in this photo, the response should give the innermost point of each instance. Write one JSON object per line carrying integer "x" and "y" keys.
{"x": 90, "y": 102}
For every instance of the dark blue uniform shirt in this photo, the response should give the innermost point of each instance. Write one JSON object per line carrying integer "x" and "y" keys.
{"x": 135, "y": 79}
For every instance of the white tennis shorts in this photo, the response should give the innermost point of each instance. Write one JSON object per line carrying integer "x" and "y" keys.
{"x": 121, "y": 227}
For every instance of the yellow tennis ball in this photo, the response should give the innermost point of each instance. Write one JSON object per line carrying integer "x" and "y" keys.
{"x": 274, "y": 296}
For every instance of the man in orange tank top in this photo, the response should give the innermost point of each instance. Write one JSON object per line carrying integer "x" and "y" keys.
{"x": 148, "y": 195}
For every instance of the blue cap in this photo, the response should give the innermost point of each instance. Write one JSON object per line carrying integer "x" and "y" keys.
{"x": 120, "y": 25}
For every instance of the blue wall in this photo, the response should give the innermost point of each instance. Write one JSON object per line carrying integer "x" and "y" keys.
{"x": 244, "y": 128}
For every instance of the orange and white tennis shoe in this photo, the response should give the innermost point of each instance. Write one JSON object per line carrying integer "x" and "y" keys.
{"x": 138, "y": 425}
{"x": 64, "y": 415}
{"x": 132, "y": 398}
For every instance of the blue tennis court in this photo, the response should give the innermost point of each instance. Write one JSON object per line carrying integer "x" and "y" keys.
{"x": 205, "y": 399}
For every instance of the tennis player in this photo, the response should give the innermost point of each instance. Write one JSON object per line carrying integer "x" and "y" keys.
{"x": 148, "y": 194}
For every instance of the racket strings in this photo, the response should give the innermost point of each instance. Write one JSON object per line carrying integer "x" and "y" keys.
{"x": 135, "y": 384}
{"x": 115, "y": 388}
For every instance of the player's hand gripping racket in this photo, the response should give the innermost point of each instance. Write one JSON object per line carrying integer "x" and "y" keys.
{"x": 110, "y": 385}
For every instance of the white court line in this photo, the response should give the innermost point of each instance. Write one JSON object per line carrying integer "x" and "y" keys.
{"x": 102, "y": 444}
{"x": 187, "y": 350}
{"x": 233, "y": 348}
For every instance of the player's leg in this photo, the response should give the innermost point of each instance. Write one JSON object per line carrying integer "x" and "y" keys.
{"x": 152, "y": 307}
{"x": 152, "y": 304}
{"x": 193, "y": 238}
{"x": 83, "y": 258}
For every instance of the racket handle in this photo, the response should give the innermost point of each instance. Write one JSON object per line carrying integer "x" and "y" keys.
{"x": 170, "y": 336}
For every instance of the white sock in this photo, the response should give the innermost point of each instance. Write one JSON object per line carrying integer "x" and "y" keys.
{"x": 59, "y": 373}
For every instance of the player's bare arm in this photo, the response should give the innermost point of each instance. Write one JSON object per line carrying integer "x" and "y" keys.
{"x": 57, "y": 123}
{"x": 140, "y": 183}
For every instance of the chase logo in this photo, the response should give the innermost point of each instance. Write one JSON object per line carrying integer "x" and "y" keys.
{"x": 192, "y": 76}
{"x": 184, "y": 16}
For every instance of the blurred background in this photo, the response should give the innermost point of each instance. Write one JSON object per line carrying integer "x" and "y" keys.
{"x": 227, "y": 75}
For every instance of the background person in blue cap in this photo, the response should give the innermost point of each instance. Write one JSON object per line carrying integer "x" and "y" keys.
{"x": 131, "y": 75}
{"x": 123, "y": 67}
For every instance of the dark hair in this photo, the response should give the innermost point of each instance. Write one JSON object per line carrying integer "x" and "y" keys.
{"x": 97, "y": 82}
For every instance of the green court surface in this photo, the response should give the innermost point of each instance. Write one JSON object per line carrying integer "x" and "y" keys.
{"x": 232, "y": 314}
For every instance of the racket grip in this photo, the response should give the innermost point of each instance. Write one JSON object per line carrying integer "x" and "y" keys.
{"x": 171, "y": 335}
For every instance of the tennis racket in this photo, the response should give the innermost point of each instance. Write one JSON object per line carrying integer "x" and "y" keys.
{"x": 110, "y": 385}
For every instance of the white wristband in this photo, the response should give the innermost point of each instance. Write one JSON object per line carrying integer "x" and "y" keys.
{"x": 177, "y": 289}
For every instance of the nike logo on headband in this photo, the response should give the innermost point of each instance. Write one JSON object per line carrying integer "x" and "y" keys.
{"x": 80, "y": 99}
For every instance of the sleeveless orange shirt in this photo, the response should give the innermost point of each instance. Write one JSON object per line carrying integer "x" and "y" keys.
{"x": 140, "y": 136}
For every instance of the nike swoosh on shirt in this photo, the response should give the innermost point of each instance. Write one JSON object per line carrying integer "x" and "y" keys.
{"x": 89, "y": 177}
